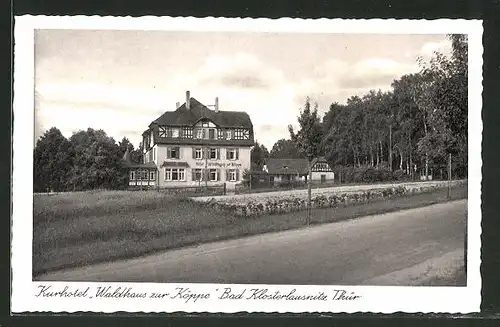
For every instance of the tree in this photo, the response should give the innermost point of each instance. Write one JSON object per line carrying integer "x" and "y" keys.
{"x": 258, "y": 155}
{"x": 447, "y": 96}
{"x": 309, "y": 141}
{"x": 125, "y": 145}
{"x": 97, "y": 161}
{"x": 285, "y": 148}
{"x": 52, "y": 161}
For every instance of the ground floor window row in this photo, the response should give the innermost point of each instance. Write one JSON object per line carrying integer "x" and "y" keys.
{"x": 198, "y": 174}
{"x": 142, "y": 175}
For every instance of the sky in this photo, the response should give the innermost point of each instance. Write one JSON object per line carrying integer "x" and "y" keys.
{"x": 120, "y": 81}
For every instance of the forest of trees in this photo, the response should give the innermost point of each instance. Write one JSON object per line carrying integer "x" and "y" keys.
{"x": 87, "y": 160}
{"x": 407, "y": 131}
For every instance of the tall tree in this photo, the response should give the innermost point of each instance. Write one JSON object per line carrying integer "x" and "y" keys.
{"x": 125, "y": 145}
{"x": 258, "y": 156}
{"x": 284, "y": 148}
{"x": 310, "y": 140}
{"x": 97, "y": 161}
{"x": 52, "y": 161}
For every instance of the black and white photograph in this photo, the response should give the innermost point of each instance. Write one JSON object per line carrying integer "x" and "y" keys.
{"x": 273, "y": 163}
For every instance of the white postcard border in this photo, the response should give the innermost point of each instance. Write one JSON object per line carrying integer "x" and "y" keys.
{"x": 373, "y": 299}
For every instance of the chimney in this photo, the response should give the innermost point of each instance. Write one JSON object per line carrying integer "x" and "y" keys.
{"x": 216, "y": 104}
{"x": 188, "y": 100}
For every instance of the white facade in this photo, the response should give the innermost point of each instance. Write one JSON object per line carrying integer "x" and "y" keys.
{"x": 190, "y": 165}
{"x": 322, "y": 172}
{"x": 195, "y": 145}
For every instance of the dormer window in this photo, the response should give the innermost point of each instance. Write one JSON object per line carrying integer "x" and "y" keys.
{"x": 285, "y": 167}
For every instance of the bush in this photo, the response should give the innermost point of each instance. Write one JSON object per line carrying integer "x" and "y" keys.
{"x": 365, "y": 174}
{"x": 400, "y": 175}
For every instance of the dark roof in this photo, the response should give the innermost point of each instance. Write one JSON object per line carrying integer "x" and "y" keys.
{"x": 127, "y": 162}
{"x": 189, "y": 117}
{"x": 289, "y": 166}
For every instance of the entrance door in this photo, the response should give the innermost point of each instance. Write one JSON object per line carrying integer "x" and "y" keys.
{"x": 323, "y": 179}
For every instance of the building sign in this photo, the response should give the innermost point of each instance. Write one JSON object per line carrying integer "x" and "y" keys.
{"x": 219, "y": 164}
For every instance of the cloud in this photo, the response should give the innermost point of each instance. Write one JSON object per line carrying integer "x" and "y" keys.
{"x": 241, "y": 70}
{"x": 336, "y": 80}
{"x": 428, "y": 49}
{"x": 95, "y": 95}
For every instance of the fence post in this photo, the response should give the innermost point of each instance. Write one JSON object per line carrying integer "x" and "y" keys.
{"x": 309, "y": 178}
{"x": 449, "y": 175}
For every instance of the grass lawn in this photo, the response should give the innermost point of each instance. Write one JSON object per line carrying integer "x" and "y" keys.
{"x": 81, "y": 228}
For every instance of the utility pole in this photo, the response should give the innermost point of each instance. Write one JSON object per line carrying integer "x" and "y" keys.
{"x": 449, "y": 175}
{"x": 309, "y": 178}
{"x": 390, "y": 147}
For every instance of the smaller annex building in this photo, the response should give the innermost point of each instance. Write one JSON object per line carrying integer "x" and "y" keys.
{"x": 285, "y": 170}
{"x": 140, "y": 175}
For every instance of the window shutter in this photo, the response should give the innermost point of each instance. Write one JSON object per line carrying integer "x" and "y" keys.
{"x": 237, "y": 174}
{"x": 218, "y": 174}
{"x": 193, "y": 174}
{"x": 227, "y": 154}
{"x": 218, "y": 153}
{"x": 178, "y": 151}
{"x": 169, "y": 153}
{"x": 205, "y": 175}
{"x": 237, "y": 154}
{"x": 227, "y": 175}
{"x": 194, "y": 153}
{"x": 204, "y": 153}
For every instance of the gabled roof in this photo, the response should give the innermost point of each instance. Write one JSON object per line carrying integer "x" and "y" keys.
{"x": 189, "y": 117}
{"x": 289, "y": 166}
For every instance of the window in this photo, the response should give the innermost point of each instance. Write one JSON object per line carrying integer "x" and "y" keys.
{"x": 228, "y": 134}
{"x": 187, "y": 132}
{"x": 173, "y": 153}
{"x": 213, "y": 175}
{"x": 204, "y": 123}
{"x": 175, "y": 132}
{"x": 198, "y": 153}
{"x": 196, "y": 174}
{"x": 232, "y": 175}
{"x": 232, "y": 154}
{"x": 220, "y": 134}
{"x": 241, "y": 134}
{"x": 199, "y": 133}
{"x": 132, "y": 174}
{"x": 175, "y": 174}
{"x": 213, "y": 154}
{"x": 142, "y": 175}
{"x": 211, "y": 133}
{"x": 152, "y": 175}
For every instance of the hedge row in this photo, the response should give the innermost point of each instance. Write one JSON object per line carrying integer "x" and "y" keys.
{"x": 293, "y": 203}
